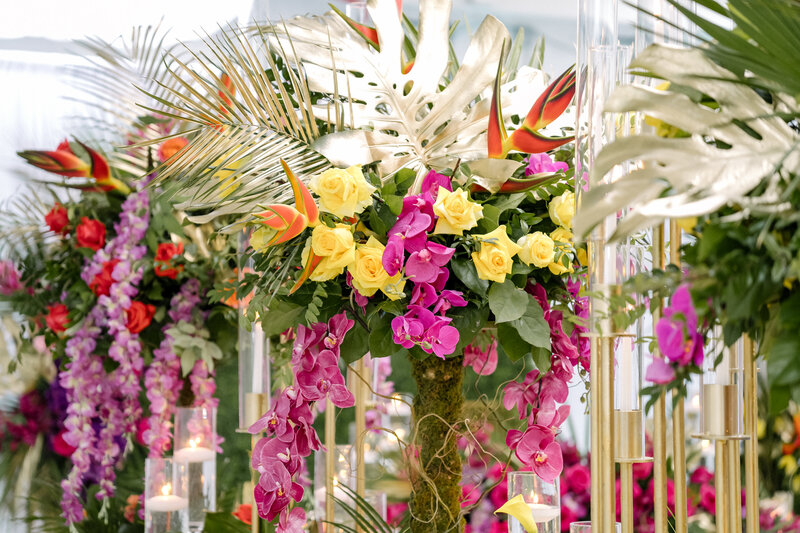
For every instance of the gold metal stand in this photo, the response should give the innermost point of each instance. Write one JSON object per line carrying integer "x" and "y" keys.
{"x": 751, "y": 429}
{"x": 721, "y": 487}
{"x": 626, "y": 497}
{"x": 330, "y": 461}
{"x": 678, "y": 420}
{"x": 608, "y": 475}
{"x": 360, "y": 392}
{"x": 659, "y": 415}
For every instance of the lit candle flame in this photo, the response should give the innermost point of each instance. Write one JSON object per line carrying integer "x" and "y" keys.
{"x": 166, "y": 489}
{"x": 535, "y": 497}
{"x": 192, "y": 443}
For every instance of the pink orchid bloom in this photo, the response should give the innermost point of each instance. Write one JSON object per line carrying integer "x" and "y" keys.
{"x": 422, "y": 203}
{"x": 561, "y": 367}
{"x": 424, "y": 295}
{"x": 275, "y": 421}
{"x": 325, "y": 380}
{"x": 431, "y": 183}
{"x": 412, "y": 229}
{"x": 274, "y": 490}
{"x": 306, "y": 438}
{"x": 407, "y": 331}
{"x": 441, "y": 280}
{"x": 448, "y": 299}
{"x": 393, "y": 255}
{"x": 538, "y": 449}
{"x": 293, "y": 521}
{"x": 521, "y": 394}
{"x": 440, "y": 339}
{"x": 338, "y": 326}
{"x": 541, "y": 163}
{"x": 307, "y": 338}
{"x": 659, "y": 372}
{"x": 267, "y": 451}
{"x": 547, "y": 414}
{"x": 423, "y": 265}
{"x": 681, "y": 302}
{"x": 483, "y": 362}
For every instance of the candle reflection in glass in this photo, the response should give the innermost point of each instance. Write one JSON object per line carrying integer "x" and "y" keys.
{"x": 543, "y": 499}
{"x": 195, "y": 447}
{"x": 166, "y": 507}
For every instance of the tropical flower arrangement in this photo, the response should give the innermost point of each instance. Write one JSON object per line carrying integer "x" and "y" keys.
{"x": 114, "y": 291}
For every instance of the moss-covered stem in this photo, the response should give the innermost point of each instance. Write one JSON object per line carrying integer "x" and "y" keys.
{"x": 435, "y": 503}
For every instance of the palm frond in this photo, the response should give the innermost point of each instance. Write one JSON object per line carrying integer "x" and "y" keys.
{"x": 737, "y": 152}
{"x": 241, "y": 129}
{"x": 23, "y": 232}
{"x": 757, "y": 40}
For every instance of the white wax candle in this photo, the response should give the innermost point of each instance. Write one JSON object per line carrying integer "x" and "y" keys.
{"x": 544, "y": 513}
{"x": 166, "y": 503}
{"x": 257, "y": 378}
{"x": 194, "y": 454}
{"x": 626, "y": 379}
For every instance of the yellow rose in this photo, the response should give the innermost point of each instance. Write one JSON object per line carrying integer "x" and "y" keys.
{"x": 494, "y": 260}
{"x": 343, "y": 192}
{"x": 456, "y": 212}
{"x": 260, "y": 237}
{"x": 369, "y": 275}
{"x": 537, "y": 249}
{"x": 563, "y": 236}
{"x": 323, "y": 271}
{"x": 687, "y": 224}
{"x": 335, "y": 245}
{"x": 562, "y": 209}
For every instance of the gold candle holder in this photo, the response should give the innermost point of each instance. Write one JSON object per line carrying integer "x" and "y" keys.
{"x": 751, "y": 430}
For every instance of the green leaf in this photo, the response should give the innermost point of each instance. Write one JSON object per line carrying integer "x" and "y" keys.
{"x": 532, "y": 327}
{"x": 380, "y": 337}
{"x": 513, "y": 345}
{"x": 507, "y": 302}
{"x": 355, "y": 344}
{"x": 464, "y": 270}
{"x": 281, "y": 316}
{"x": 541, "y": 358}
{"x": 468, "y": 321}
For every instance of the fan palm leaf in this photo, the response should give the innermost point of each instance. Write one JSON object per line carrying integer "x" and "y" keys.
{"x": 247, "y": 111}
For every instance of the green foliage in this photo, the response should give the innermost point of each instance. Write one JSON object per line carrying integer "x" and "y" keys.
{"x": 507, "y": 302}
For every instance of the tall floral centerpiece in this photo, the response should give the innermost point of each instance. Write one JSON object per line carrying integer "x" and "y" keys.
{"x": 402, "y": 202}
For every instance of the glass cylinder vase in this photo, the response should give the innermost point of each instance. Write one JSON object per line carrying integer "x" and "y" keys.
{"x": 543, "y": 498}
{"x": 166, "y": 503}
{"x": 195, "y": 448}
{"x": 254, "y": 350}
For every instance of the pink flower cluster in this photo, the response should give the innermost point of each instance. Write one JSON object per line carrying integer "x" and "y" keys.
{"x": 425, "y": 324}
{"x": 482, "y": 361}
{"x": 579, "y": 335}
{"x": 22, "y": 425}
{"x": 538, "y": 397}
{"x": 678, "y": 338}
{"x": 162, "y": 379}
{"x": 543, "y": 163}
{"x": 111, "y": 399}
{"x": 290, "y": 435}
{"x": 9, "y": 278}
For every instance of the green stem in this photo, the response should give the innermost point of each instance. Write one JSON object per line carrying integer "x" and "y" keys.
{"x": 436, "y": 498}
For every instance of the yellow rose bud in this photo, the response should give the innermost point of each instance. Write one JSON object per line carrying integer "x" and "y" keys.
{"x": 335, "y": 245}
{"x": 343, "y": 192}
{"x": 368, "y": 272}
{"x": 456, "y": 212}
{"x": 563, "y": 236}
{"x": 562, "y": 209}
{"x": 494, "y": 259}
{"x": 537, "y": 249}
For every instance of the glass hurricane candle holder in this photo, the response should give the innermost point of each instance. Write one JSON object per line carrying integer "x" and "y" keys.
{"x": 543, "y": 498}
{"x": 721, "y": 391}
{"x": 195, "y": 447}
{"x": 166, "y": 505}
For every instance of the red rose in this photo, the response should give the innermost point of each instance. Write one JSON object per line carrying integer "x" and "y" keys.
{"x": 164, "y": 254}
{"x": 57, "y": 317}
{"x": 90, "y": 233}
{"x": 60, "y": 446}
{"x": 139, "y": 316}
{"x": 101, "y": 284}
{"x": 57, "y": 219}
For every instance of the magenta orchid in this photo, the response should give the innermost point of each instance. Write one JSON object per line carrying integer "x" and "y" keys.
{"x": 538, "y": 449}
{"x": 543, "y": 163}
{"x": 483, "y": 362}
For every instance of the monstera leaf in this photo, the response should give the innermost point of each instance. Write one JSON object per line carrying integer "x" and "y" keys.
{"x": 736, "y": 151}
{"x": 414, "y": 118}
